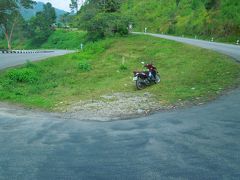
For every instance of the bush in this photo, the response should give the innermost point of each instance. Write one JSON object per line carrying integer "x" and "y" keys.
{"x": 123, "y": 67}
{"x": 84, "y": 66}
{"x": 107, "y": 24}
{"x": 24, "y": 75}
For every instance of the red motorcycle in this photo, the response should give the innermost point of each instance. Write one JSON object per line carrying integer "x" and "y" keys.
{"x": 146, "y": 77}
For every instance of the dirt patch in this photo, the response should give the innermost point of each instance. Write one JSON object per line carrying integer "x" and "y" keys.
{"x": 114, "y": 106}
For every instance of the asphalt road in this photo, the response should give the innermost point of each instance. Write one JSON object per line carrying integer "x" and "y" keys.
{"x": 228, "y": 49}
{"x": 8, "y": 60}
{"x": 201, "y": 142}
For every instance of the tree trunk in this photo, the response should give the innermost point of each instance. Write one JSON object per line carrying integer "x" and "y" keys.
{"x": 7, "y": 36}
{"x": 9, "y": 45}
{"x": 11, "y": 33}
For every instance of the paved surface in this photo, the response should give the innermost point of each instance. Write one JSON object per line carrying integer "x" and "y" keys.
{"x": 196, "y": 143}
{"x": 228, "y": 49}
{"x": 8, "y": 60}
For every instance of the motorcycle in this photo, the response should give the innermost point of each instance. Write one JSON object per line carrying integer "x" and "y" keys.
{"x": 146, "y": 78}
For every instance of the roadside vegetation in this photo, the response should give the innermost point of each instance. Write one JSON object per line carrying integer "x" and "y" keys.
{"x": 59, "y": 39}
{"x": 14, "y": 28}
{"x": 65, "y": 39}
{"x": 187, "y": 73}
{"x": 101, "y": 18}
{"x": 205, "y": 19}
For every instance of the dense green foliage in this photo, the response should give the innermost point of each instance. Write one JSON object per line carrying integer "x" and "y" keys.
{"x": 29, "y": 13}
{"x": 59, "y": 39}
{"x": 217, "y": 18}
{"x": 10, "y": 17}
{"x": 37, "y": 30}
{"x": 102, "y": 19}
{"x": 187, "y": 73}
{"x": 203, "y": 18}
{"x": 40, "y": 26}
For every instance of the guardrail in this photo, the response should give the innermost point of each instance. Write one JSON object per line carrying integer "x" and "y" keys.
{"x": 6, "y": 51}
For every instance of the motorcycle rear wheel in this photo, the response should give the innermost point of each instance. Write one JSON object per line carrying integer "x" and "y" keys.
{"x": 140, "y": 84}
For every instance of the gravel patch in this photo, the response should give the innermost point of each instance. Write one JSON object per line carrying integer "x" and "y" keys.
{"x": 113, "y": 107}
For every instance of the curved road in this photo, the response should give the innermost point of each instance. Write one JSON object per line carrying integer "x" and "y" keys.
{"x": 228, "y": 49}
{"x": 9, "y": 60}
{"x": 201, "y": 142}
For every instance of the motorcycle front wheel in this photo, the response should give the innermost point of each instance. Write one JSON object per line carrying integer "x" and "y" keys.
{"x": 140, "y": 84}
{"x": 157, "y": 80}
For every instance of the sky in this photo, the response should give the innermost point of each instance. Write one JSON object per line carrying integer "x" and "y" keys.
{"x": 60, "y": 4}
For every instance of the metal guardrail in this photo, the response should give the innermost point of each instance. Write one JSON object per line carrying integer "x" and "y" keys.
{"x": 6, "y": 51}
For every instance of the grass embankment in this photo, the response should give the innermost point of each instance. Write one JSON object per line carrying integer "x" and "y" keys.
{"x": 187, "y": 73}
{"x": 63, "y": 39}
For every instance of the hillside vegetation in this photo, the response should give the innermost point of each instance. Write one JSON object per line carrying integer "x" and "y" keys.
{"x": 214, "y": 18}
{"x": 64, "y": 39}
{"x": 59, "y": 39}
{"x": 29, "y": 13}
{"x": 41, "y": 21}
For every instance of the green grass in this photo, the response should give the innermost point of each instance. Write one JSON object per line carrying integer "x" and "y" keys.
{"x": 64, "y": 39}
{"x": 187, "y": 73}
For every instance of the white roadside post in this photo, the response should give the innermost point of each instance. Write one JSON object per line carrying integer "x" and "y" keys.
{"x": 212, "y": 39}
{"x": 238, "y": 42}
{"x": 81, "y": 46}
{"x": 130, "y": 27}
{"x": 123, "y": 60}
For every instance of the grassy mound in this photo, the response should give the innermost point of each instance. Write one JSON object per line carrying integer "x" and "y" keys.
{"x": 187, "y": 73}
{"x": 63, "y": 39}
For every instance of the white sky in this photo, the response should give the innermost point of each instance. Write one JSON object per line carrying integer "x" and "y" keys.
{"x": 60, "y": 4}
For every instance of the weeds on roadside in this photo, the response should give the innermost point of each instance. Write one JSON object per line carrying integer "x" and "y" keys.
{"x": 84, "y": 66}
{"x": 123, "y": 67}
{"x": 24, "y": 75}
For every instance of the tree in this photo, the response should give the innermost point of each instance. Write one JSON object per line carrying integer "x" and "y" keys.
{"x": 177, "y": 2}
{"x": 9, "y": 15}
{"x": 49, "y": 13}
{"x": 41, "y": 26}
{"x": 65, "y": 18}
{"x": 75, "y": 5}
{"x": 107, "y": 24}
{"x": 102, "y": 18}
{"x": 110, "y": 5}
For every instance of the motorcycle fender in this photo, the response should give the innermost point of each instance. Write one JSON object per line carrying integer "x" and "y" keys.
{"x": 142, "y": 76}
